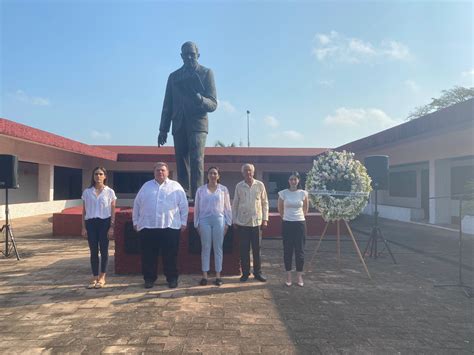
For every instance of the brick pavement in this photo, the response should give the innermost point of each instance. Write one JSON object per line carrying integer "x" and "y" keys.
{"x": 44, "y": 307}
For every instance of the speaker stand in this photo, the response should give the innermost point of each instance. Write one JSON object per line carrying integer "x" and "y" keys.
{"x": 468, "y": 291}
{"x": 375, "y": 235}
{"x": 7, "y": 230}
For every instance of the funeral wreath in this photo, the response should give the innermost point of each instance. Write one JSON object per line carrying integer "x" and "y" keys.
{"x": 338, "y": 186}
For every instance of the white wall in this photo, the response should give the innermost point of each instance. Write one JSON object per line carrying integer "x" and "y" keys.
{"x": 36, "y": 208}
{"x": 405, "y": 214}
{"x": 468, "y": 224}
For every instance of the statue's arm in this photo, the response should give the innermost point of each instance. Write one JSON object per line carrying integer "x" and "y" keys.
{"x": 209, "y": 97}
{"x": 166, "y": 113}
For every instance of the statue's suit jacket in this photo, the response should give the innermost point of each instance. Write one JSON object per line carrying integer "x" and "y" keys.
{"x": 184, "y": 110}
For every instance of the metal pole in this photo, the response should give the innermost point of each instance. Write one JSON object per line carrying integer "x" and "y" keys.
{"x": 7, "y": 225}
{"x": 376, "y": 213}
{"x": 248, "y": 128}
{"x": 460, "y": 239}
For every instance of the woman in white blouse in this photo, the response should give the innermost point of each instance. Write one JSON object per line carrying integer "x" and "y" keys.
{"x": 98, "y": 220}
{"x": 293, "y": 207}
{"x": 212, "y": 218}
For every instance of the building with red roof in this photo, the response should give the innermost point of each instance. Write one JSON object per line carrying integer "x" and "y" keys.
{"x": 431, "y": 159}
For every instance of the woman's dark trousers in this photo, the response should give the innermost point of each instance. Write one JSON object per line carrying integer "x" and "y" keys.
{"x": 97, "y": 229}
{"x": 294, "y": 236}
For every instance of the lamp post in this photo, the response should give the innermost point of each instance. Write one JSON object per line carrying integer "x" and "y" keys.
{"x": 248, "y": 128}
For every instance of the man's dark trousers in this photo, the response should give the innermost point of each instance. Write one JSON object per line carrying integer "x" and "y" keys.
{"x": 249, "y": 236}
{"x": 189, "y": 154}
{"x": 156, "y": 240}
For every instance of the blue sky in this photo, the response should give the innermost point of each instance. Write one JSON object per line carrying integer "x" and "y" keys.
{"x": 312, "y": 74}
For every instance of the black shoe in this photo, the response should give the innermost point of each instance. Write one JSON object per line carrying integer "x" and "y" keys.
{"x": 244, "y": 278}
{"x": 218, "y": 282}
{"x": 260, "y": 277}
{"x": 173, "y": 284}
{"x": 149, "y": 284}
{"x": 203, "y": 282}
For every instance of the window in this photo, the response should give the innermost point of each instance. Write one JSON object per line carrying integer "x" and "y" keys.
{"x": 67, "y": 183}
{"x": 402, "y": 184}
{"x": 128, "y": 182}
{"x": 279, "y": 181}
{"x": 460, "y": 175}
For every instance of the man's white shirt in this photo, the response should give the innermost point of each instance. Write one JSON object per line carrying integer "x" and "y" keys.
{"x": 160, "y": 206}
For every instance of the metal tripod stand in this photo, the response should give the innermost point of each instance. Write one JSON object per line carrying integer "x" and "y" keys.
{"x": 376, "y": 234}
{"x": 7, "y": 230}
{"x": 460, "y": 283}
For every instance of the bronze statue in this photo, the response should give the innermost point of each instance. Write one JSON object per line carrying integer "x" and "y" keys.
{"x": 190, "y": 95}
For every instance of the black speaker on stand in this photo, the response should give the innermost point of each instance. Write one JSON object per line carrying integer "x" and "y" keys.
{"x": 377, "y": 168}
{"x": 8, "y": 180}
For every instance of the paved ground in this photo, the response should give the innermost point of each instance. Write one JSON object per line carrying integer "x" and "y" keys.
{"x": 44, "y": 307}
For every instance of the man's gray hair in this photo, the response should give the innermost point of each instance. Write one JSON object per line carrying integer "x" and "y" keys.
{"x": 247, "y": 165}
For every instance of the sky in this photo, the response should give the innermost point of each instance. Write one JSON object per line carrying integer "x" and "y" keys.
{"x": 311, "y": 73}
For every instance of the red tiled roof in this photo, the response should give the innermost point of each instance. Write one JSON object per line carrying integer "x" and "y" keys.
{"x": 33, "y": 135}
{"x": 219, "y": 154}
{"x": 125, "y": 153}
{"x": 241, "y": 151}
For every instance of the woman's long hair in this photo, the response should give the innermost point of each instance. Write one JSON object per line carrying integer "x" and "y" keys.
{"x": 218, "y": 173}
{"x": 93, "y": 173}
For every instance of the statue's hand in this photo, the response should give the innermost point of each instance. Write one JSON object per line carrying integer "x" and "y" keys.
{"x": 162, "y": 138}
{"x": 198, "y": 98}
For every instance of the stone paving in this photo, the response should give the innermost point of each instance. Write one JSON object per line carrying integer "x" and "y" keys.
{"x": 45, "y": 308}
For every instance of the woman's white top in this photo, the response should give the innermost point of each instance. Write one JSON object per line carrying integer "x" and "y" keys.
{"x": 98, "y": 206}
{"x": 293, "y": 204}
{"x": 208, "y": 203}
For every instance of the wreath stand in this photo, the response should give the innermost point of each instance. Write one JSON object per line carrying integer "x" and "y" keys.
{"x": 338, "y": 243}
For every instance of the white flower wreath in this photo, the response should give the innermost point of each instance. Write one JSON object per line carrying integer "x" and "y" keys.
{"x": 338, "y": 171}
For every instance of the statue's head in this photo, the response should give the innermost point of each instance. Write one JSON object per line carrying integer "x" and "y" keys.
{"x": 190, "y": 54}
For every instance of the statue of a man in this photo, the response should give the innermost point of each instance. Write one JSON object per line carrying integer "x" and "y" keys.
{"x": 190, "y": 95}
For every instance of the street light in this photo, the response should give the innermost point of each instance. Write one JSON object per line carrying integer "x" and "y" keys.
{"x": 248, "y": 128}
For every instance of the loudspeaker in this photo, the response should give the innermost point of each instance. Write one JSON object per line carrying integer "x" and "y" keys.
{"x": 377, "y": 168}
{"x": 8, "y": 171}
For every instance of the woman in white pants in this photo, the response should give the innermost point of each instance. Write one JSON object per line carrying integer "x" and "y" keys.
{"x": 212, "y": 218}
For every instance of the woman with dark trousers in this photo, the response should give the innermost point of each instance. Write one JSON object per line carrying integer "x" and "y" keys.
{"x": 98, "y": 220}
{"x": 293, "y": 207}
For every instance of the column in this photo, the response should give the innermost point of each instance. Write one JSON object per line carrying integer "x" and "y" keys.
{"x": 45, "y": 182}
{"x": 440, "y": 187}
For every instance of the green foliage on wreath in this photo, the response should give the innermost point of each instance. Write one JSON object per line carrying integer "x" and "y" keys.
{"x": 338, "y": 171}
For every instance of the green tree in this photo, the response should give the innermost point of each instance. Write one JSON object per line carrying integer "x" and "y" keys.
{"x": 448, "y": 97}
